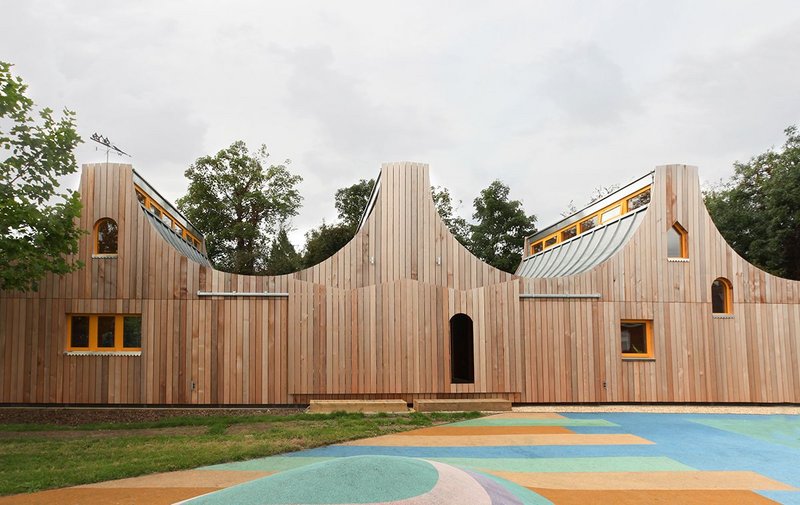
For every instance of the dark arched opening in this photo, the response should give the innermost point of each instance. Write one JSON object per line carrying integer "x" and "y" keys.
{"x": 721, "y": 296}
{"x": 106, "y": 235}
{"x": 462, "y": 351}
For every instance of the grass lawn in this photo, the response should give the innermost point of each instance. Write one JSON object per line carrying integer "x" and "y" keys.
{"x": 37, "y": 457}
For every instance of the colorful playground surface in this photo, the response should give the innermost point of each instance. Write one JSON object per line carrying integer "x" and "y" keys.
{"x": 512, "y": 458}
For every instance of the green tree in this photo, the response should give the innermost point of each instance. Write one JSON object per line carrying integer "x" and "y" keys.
{"x": 758, "y": 209}
{"x": 500, "y": 228}
{"x": 239, "y": 203}
{"x": 444, "y": 205}
{"x": 322, "y": 242}
{"x": 351, "y": 202}
{"x": 283, "y": 259}
{"x": 38, "y": 224}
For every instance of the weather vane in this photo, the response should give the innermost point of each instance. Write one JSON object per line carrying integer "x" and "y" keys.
{"x": 103, "y": 141}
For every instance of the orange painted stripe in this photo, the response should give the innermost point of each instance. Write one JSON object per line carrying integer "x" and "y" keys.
{"x": 501, "y": 440}
{"x": 649, "y": 496}
{"x": 645, "y": 480}
{"x": 449, "y": 431}
{"x": 107, "y": 496}
{"x": 184, "y": 478}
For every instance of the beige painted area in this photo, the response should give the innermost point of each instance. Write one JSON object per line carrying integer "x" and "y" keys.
{"x": 645, "y": 480}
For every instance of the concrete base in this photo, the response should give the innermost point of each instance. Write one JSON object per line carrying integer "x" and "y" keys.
{"x": 367, "y": 406}
{"x": 463, "y": 405}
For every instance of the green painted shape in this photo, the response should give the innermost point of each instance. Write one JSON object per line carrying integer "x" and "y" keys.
{"x": 534, "y": 422}
{"x": 524, "y": 495}
{"x": 598, "y": 464}
{"x": 357, "y": 479}
{"x": 781, "y": 430}
{"x": 270, "y": 464}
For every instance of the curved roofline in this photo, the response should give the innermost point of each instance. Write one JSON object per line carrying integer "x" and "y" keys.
{"x": 584, "y": 251}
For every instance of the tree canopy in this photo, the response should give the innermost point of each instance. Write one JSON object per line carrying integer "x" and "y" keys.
{"x": 758, "y": 209}
{"x": 38, "y": 223}
{"x": 240, "y": 203}
{"x": 444, "y": 206}
{"x": 322, "y": 242}
{"x": 352, "y": 200}
{"x": 500, "y": 228}
{"x": 283, "y": 258}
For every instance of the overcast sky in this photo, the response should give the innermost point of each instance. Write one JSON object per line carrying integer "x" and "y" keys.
{"x": 553, "y": 98}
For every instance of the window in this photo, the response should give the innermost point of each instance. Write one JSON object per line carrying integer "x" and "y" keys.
{"x": 569, "y": 233}
{"x": 677, "y": 242}
{"x": 639, "y": 200}
{"x": 636, "y": 338}
{"x": 611, "y": 214}
{"x": 721, "y": 296}
{"x": 551, "y": 241}
{"x": 141, "y": 197}
{"x": 589, "y": 224}
{"x": 154, "y": 208}
{"x": 104, "y": 332}
{"x": 105, "y": 235}
{"x": 462, "y": 355}
{"x": 537, "y": 247}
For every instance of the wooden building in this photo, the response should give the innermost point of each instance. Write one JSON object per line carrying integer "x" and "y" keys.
{"x": 635, "y": 299}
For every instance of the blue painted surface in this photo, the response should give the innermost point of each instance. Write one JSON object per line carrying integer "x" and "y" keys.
{"x": 676, "y": 436}
{"x": 679, "y": 437}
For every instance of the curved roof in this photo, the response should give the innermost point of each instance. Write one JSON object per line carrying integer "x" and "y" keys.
{"x": 176, "y": 241}
{"x": 584, "y": 251}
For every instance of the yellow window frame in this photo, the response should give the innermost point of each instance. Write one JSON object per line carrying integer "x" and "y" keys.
{"x": 185, "y": 234}
{"x": 684, "y": 240}
{"x": 727, "y": 299}
{"x": 96, "y": 238}
{"x": 93, "y": 345}
{"x": 622, "y": 203}
{"x": 648, "y": 325}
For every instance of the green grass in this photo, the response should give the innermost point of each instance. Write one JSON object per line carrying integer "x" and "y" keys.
{"x": 32, "y": 460}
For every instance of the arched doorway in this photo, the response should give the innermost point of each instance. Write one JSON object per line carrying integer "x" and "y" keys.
{"x": 462, "y": 350}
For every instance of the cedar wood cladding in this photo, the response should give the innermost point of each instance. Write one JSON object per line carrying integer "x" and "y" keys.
{"x": 373, "y": 320}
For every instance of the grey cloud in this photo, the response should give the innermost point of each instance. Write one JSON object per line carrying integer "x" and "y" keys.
{"x": 733, "y": 99}
{"x": 352, "y": 120}
{"x": 586, "y": 85}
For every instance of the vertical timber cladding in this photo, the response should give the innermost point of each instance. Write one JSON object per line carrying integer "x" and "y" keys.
{"x": 574, "y": 345}
{"x": 373, "y": 320}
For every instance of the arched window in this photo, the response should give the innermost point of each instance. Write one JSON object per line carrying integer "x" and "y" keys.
{"x": 721, "y": 296}
{"x": 677, "y": 242}
{"x": 105, "y": 236}
{"x": 462, "y": 351}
